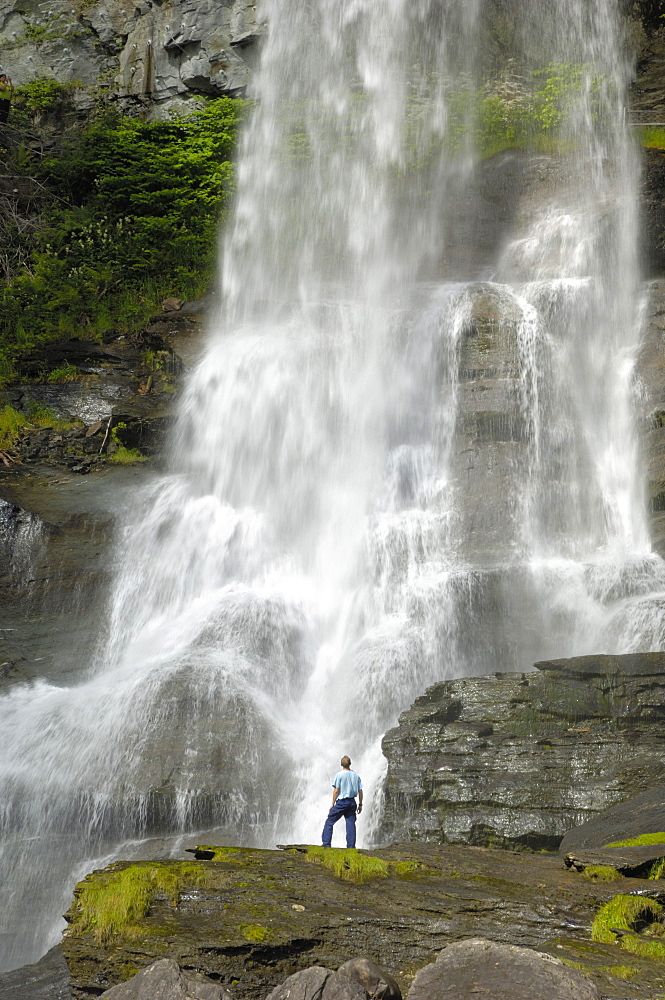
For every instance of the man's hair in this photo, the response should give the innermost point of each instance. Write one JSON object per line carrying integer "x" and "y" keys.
{"x": 345, "y": 762}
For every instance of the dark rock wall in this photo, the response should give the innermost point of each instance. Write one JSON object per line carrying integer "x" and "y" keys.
{"x": 516, "y": 760}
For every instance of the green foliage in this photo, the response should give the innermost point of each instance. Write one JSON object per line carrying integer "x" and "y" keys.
{"x": 65, "y": 373}
{"x": 11, "y": 424}
{"x": 40, "y": 94}
{"x": 36, "y": 32}
{"x": 112, "y": 904}
{"x": 347, "y": 863}
{"x": 651, "y": 137}
{"x": 657, "y": 869}
{"x": 643, "y": 840}
{"x": 133, "y": 218}
{"x": 601, "y": 873}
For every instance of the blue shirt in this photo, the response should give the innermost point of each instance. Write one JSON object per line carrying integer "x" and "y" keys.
{"x": 349, "y": 784}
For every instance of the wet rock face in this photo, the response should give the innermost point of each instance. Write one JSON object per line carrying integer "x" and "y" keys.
{"x": 516, "y": 760}
{"x": 149, "y": 52}
{"x": 650, "y": 369}
{"x": 250, "y": 919}
{"x": 645, "y": 813}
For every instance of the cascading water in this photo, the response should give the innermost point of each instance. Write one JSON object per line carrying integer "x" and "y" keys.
{"x": 377, "y": 480}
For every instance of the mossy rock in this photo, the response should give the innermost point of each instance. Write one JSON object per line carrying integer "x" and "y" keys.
{"x": 250, "y": 918}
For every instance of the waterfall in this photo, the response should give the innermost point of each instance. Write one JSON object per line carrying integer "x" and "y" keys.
{"x": 378, "y": 478}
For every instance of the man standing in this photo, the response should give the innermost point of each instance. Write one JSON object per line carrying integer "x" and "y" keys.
{"x": 346, "y": 785}
{"x": 6, "y": 91}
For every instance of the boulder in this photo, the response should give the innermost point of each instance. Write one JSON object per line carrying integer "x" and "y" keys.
{"x": 644, "y": 813}
{"x": 165, "y": 980}
{"x": 377, "y": 982}
{"x": 317, "y": 983}
{"x": 498, "y": 972}
{"x": 518, "y": 759}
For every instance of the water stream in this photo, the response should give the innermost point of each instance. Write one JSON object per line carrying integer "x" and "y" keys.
{"x": 379, "y": 478}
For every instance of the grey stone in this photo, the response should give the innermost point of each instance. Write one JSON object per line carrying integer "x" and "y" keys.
{"x": 645, "y": 813}
{"x": 517, "y": 760}
{"x": 317, "y": 983}
{"x": 377, "y": 982}
{"x": 161, "y": 54}
{"x": 164, "y": 980}
{"x": 498, "y": 972}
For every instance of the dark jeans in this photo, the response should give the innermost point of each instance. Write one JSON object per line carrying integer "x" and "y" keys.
{"x": 4, "y": 112}
{"x": 347, "y": 809}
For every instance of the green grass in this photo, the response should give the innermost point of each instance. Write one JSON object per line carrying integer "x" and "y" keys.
{"x": 112, "y": 904}
{"x": 347, "y": 863}
{"x": 644, "y": 946}
{"x": 65, "y": 373}
{"x": 601, "y": 873}
{"x": 636, "y": 914}
{"x": 127, "y": 456}
{"x": 11, "y": 424}
{"x": 643, "y": 840}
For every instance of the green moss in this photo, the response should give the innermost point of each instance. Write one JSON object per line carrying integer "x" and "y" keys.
{"x": 580, "y": 966}
{"x": 111, "y": 904}
{"x": 348, "y": 863}
{"x": 624, "y": 972}
{"x": 405, "y": 868}
{"x": 601, "y": 873}
{"x": 629, "y": 913}
{"x": 643, "y": 840}
{"x": 646, "y": 947}
{"x": 652, "y": 138}
{"x": 255, "y": 932}
{"x": 231, "y": 855}
{"x": 127, "y": 456}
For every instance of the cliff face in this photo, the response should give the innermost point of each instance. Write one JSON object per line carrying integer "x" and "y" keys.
{"x": 515, "y": 760}
{"x": 164, "y": 54}
{"x": 140, "y": 53}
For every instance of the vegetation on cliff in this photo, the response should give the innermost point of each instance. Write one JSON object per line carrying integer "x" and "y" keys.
{"x": 101, "y": 222}
{"x": 101, "y": 227}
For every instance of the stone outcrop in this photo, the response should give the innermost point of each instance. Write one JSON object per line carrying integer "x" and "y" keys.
{"x": 645, "y": 813}
{"x": 165, "y": 980}
{"x": 651, "y": 374}
{"x": 47, "y": 979}
{"x": 375, "y": 981}
{"x": 140, "y": 54}
{"x": 249, "y": 919}
{"x": 516, "y": 760}
{"x": 317, "y": 983}
{"x": 503, "y": 972}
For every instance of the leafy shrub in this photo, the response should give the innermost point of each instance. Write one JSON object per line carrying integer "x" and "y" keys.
{"x": 133, "y": 217}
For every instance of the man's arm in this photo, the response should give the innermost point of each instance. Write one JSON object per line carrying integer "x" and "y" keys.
{"x": 335, "y": 794}
{"x": 360, "y": 800}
